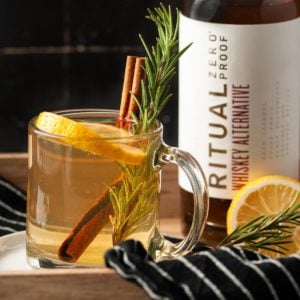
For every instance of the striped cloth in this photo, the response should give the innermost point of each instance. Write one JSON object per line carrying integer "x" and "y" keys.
{"x": 224, "y": 273}
{"x": 12, "y": 208}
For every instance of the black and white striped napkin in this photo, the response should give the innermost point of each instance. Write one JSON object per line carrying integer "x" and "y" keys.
{"x": 225, "y": 273}
{"x": 12, "y": 208}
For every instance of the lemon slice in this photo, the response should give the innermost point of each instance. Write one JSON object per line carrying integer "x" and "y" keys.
{"x": 108, "y": 131}
{"x": 264, "y": 196}
{"x": 92, "y": 138}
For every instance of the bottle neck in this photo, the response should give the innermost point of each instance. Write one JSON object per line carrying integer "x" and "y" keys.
{"x": 241, "y": 11}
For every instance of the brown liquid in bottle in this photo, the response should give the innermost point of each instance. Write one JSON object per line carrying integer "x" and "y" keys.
{"x": 230, "y": 12}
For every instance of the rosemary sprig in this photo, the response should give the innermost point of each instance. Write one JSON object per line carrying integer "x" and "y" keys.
{"x": 137, "y": 199}
{"x": 134, "y": 203}
{"x": 272, "y": 232}
{"x": 160, "y": 66}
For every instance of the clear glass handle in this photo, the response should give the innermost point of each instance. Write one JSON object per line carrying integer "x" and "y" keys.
{"x": 193, "y": 170}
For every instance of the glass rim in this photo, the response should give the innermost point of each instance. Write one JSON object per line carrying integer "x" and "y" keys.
{"x": 111, "y": 114}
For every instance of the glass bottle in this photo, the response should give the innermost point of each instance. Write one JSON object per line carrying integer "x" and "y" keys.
{"x": 239, "y": 94}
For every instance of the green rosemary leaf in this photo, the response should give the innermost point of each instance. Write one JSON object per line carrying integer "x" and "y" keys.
{"x": 270, "y": 233}
{"x": 160, "y": 69}
{"x": 149, "y": 55}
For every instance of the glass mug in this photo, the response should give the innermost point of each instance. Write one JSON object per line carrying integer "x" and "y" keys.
{"x": 81, "y": 201}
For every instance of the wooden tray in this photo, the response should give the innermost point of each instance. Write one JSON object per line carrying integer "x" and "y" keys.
{"x": 99, "y": 283}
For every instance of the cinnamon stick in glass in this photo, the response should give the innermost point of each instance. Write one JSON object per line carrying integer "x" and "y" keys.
{"x": 93, "y": 221}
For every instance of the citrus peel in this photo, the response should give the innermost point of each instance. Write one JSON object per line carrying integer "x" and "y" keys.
{"x": 105, "y": 140}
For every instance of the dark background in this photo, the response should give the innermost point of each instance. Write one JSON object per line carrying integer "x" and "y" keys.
{"x": 58, "y": 54}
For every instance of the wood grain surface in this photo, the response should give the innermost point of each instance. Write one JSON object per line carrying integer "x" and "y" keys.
{"x": 68, "y": 284}
{"x": 13, "y": 167}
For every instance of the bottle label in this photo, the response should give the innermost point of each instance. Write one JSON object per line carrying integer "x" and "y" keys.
{"x": 239, "y": 101}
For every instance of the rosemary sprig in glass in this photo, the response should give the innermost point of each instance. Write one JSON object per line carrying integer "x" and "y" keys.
{"x": 135, "y": 200}
{"x": 270, "y": 232}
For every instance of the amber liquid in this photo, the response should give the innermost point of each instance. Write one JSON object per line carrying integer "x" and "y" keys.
{"x": 64, "y": 182}
{"x": 230, "y": 12}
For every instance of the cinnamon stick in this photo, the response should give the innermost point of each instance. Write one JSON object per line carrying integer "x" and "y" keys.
{"x": 127, "y": 85}
{"x": 93, "y": 221}
{"x": 85, "y": 231}
{"x": 134, "y": 73}
{"x": 139, "y": 74}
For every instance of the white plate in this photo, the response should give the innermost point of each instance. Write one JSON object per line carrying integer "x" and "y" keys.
{"x": 13, "y": 252}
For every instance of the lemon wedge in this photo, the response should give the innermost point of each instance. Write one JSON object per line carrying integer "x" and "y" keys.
{"x": 92, "y": 137}
{"x": 264, "y": 196}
